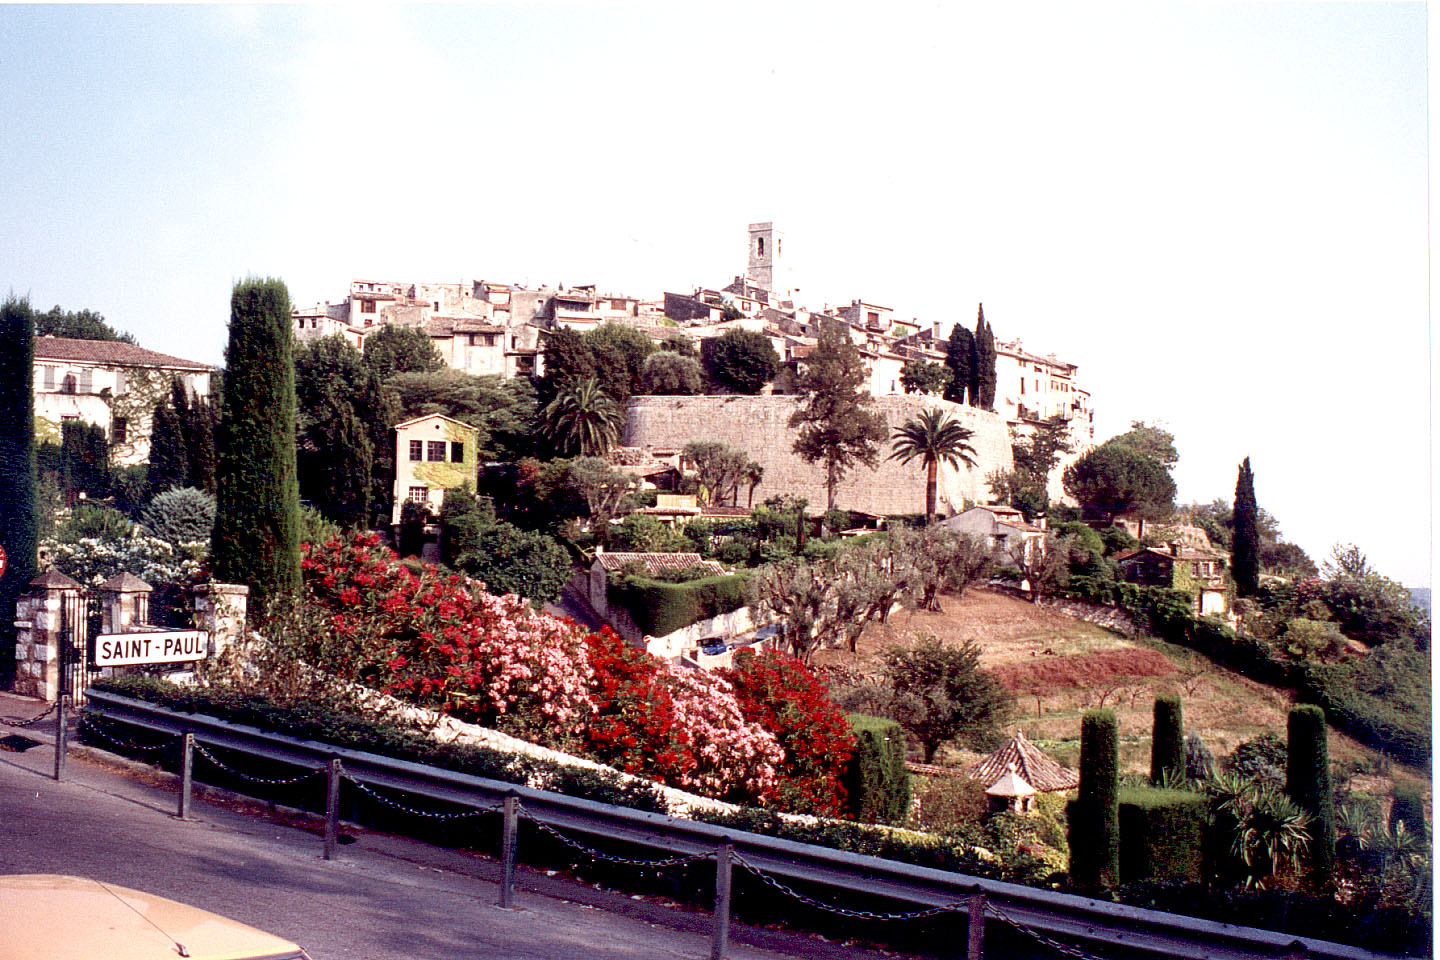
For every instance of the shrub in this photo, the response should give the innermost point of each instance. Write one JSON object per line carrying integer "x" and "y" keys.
{"x": 314, "y": 528}
{"x": 642, "y": 533}
{"x": 1161, "y": 833}
{"x": 155, "y": 561}
{"x": 185, "y": 515}
{"x": 95, "y": 521}
{"x": 1263, "y": 757}
{"x": 877, "y": 785}
{"x": 683, "y": 727}
{"x": 1408, "y": 808}
{"x": 1095, "y": 814}
{"x": 949, "y": 805}
{"x": 1167, "y": 747}
{"x": 780, "y": 694}
{"x": 510, "y": 560}
{"x": 1307, "y": 781}
{"x": 668, "y": 373}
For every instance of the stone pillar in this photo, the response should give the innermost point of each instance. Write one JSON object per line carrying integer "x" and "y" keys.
{"x": 38, "y": 620}
{"x": 220, "y": 612}
{"x": 124, "y": 602}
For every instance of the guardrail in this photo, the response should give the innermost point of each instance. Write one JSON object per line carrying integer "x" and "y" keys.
{"x": 1057, "y": 919}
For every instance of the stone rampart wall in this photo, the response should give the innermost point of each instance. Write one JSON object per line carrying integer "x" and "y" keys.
{"x": 761, "y": 427}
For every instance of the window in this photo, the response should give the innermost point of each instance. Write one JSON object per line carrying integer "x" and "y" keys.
{"x": 419, "y": 494}
{"x": 118, "y": 432}
{"x": 436, "y": 451}
{"x": 417, "y": 450}
{"x": 760, "y": 246}
{"x": 457, "y": 452}
{"x": 49, "y": 377}
{"x": 366, "y": 306}
{"x": 120, "y": 382}
{"x": 87, "y": 381}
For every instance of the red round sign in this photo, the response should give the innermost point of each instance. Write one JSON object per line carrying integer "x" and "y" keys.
{"x": 2, "y": 561}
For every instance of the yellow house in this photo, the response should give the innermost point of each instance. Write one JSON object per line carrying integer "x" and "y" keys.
{"x": 433, "y": 453}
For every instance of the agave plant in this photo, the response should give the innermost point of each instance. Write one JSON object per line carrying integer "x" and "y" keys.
{"x": 1272, "y": 836}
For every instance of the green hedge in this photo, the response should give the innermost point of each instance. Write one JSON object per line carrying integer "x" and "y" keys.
{"x": 660, "y": 608}
{"x": 877, "y": 785}
{"x": 1161, "y": 834}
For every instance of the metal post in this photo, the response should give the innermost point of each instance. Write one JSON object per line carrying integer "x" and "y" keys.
{"x": 507, "y": 852}
{"x": 975, "y": 944}
{"x": 187, "y": 774}
{"x": 61, "y": 720}
{"x": 720, "y": 934}
{"x": 332, "y": 807}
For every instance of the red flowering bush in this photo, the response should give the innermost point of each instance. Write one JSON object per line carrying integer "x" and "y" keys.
{"x": 780, "y": 694}
{"x": 682, "y": 727}
{"x": 439, "y": 641}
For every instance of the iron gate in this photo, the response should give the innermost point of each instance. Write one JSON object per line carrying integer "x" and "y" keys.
{"x": 78, "y": 626}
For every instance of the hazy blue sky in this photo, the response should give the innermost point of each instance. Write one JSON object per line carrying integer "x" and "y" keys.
{"x": 1218, "y": 212}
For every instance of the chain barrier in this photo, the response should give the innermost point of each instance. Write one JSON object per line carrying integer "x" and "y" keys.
{"x": 33, "y": 720}
{"x": 459, "y": 814}
{"x": 279, "y": 782}
{"x": 1037, "y": 935}
{"x": 613, "y": 858}
{"x": 92, "y": 727}
{"x": 765, "y": 878}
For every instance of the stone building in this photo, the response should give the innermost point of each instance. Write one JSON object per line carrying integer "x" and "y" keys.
{"x": 433, "y": 454}
{"x": 114, "y": 386}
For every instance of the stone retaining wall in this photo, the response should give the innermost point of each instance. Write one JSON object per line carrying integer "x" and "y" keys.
{"x": 761, "y": 427}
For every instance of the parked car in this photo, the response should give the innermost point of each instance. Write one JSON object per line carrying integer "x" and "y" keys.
{"x": 76, "y": 918}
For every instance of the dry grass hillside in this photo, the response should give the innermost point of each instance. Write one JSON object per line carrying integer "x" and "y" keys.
{"x": 1059, "y": 666}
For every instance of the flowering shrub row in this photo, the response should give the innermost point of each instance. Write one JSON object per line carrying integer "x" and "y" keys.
{"x": 762, "y": 732}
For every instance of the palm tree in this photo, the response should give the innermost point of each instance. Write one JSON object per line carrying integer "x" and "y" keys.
{"x": 582, "y": 419}
{"x": 933, "y": 437}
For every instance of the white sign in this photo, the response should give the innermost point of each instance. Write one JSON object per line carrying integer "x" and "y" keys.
{"x": 129, "y": 649}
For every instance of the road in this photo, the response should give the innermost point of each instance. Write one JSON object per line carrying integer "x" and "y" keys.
{"x": 383, "y": 898}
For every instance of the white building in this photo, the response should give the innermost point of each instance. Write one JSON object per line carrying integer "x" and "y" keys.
{"x": 114, "y": 386}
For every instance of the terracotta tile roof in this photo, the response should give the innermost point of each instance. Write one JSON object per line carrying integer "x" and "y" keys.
{"x": 659, "y": 562}
{"x": 109, "y": 352}
{"x": 1023, "y": 757}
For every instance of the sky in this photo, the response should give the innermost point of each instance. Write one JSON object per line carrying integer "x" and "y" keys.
{"x": 1219, "y": 212}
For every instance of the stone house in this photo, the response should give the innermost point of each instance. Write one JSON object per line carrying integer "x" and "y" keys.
{"x": 114, "y": 386}
{"x": 1181, "y": 566}
{"x": 433, "y": 454}
{"x": 1005, "y": 529}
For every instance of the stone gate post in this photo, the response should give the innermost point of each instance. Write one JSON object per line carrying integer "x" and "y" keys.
{"x": 220, "y": 611}
{"x": 124, "y": 601}
{"x": 37, "y": 643}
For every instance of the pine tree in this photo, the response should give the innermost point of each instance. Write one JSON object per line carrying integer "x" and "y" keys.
{"x": 257, "y": 522}
{"x": 837, "y": 426}
{"x": 19, "y": 520}
{"x": 1245, "y": 554}
{"x": 959, "y": 359}
{"x": 1307, "y": 781}
{"x": 1095, "y": 815}
{"x": 1167, "y": 741}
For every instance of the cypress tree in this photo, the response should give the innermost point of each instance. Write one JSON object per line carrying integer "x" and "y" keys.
{"x": 257, "y": 503}
{"x": 959, "y": 359}
{"x": 1307, "y": 781}
{"x": 983, "y": 376}
{"x": 202, "y": 445}
{"x": 169, "y": 462}
{"x": 1095, "y": 815}
{"x": 19, "y": 518}
{"x": 1167, "y": 741}
{"x": 84, "y": 460}
{"x": 1245, "y": 553}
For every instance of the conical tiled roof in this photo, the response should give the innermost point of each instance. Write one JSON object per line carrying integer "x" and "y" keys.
{"x": 1011, "y": 785}
{"x": 1020, "y": 756}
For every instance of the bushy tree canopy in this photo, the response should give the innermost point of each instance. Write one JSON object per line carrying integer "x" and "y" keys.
{"x": 942, "y": 694}
{"x": 78, "y": 325}
{"x": 924, "y": 377}
{"x": 401, "y": 349}
{"x": 668, "y": 373}
{"x": 1113, "y": 480}
{"x": 740, "y": 361}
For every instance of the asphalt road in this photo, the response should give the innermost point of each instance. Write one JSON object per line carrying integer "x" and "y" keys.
{"x": 383, "y": 898}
